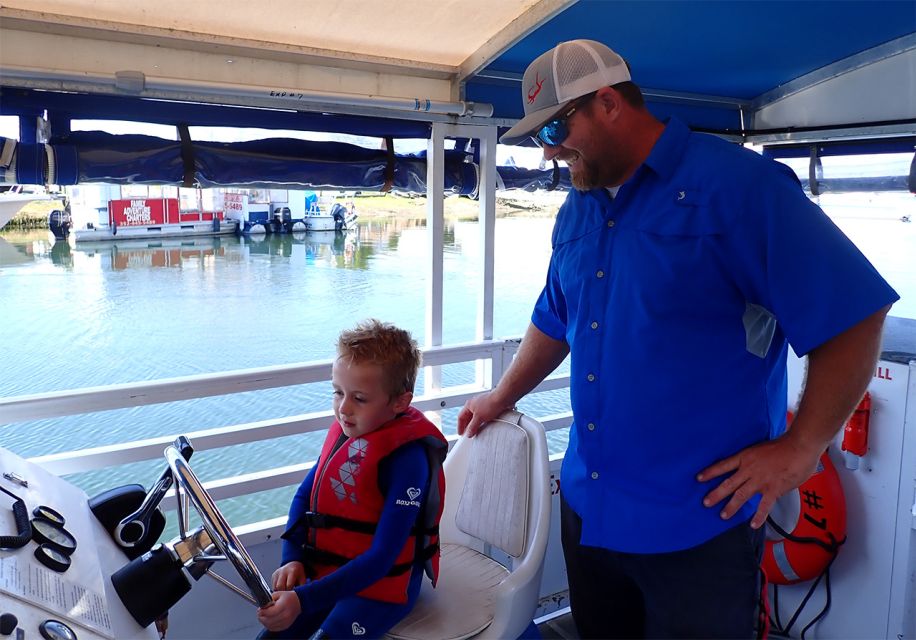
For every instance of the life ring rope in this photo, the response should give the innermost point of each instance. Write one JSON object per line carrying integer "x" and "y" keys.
{"x": 773, "y": 620}
{"x": 809, "y": 549}
{"x": 832, "y": 546}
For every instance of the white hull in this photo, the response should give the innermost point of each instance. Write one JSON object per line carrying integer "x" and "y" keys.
{"x": 185, "y": 229}
{"x": 10, "y": 205}
{"x": 326, "y": 223}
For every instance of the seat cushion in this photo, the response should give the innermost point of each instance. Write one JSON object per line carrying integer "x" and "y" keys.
{"x": 494, "y": 500}
{"x": 461, "y": 605}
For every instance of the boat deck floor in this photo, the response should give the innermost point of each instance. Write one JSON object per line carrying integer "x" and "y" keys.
{"x": 558, "y": 628}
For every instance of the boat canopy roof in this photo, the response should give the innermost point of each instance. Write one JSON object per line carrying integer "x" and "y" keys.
{"x": 772, "y": 72}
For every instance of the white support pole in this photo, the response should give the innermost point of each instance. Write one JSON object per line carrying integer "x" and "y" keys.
{"x": 487, "y": 230}
{"x": 435, "y": 231}
{"x": 487, "y": 201}
{"x": 486, "y": 191}
{"x": 435, "y": 211}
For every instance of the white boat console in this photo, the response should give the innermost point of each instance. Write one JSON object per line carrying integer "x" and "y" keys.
{"x": 81, "y": 598}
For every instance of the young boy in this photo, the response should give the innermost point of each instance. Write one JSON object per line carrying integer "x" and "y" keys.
{"x": 363, "y": 525}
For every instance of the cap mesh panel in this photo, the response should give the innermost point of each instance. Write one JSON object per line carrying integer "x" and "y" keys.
{"x": 574, "y": 62}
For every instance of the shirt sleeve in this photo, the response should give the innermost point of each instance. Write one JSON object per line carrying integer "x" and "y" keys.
{"x": 549, "y": 314}
{"x": 794, "y": 261}
{"x": 290, "y": 551}
{"x": 406, "y": 468}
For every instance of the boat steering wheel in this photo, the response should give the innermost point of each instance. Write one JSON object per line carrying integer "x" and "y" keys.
{"x": 190, "y": 489}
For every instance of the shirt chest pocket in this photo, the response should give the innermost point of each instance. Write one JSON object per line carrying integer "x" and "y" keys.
{"x": 672, "y": 258}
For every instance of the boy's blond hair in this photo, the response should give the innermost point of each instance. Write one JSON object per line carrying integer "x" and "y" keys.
{"x": 385, "y": 345}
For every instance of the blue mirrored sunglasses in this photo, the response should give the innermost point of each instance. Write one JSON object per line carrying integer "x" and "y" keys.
{"x": 555, "y": 131}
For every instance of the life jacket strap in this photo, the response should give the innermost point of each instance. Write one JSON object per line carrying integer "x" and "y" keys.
{"x": 313, "y": 520}
{"x": 317, "y": 556}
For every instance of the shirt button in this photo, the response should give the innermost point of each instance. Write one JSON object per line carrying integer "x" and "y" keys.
{"x": 594, "y": 475}
{"x": 591, "y": 377}
{"x": 591, "y": 426}
{"x": 610, "y": 223}
{"x": 594, "y": 325}
{"x": 600, "y": 273}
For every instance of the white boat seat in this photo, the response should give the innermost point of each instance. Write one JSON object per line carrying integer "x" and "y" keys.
{"x": 451, "y": 606}
{"x": 497, "y": 498}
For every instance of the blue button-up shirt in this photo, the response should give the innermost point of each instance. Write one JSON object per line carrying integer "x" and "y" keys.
{"x": 678, "y": 299}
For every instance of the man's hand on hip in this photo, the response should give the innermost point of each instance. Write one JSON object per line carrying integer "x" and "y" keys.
{"x": 770, "y": 468}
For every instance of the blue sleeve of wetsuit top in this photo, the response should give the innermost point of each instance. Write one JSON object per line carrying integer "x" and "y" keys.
{"x": 300, "y": 505}
{"x": 405, "y": 469}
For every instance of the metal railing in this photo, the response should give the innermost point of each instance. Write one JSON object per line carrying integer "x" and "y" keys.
{"x": 492, "y": 356}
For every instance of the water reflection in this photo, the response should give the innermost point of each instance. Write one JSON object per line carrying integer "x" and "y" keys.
{"x": 13, "y": 253}
{"x": 118, "y": 255}
{"x": 336, "y": 248}
{"x": 61, "y": 255}
{"x": 351, "y": 249}
{"x": 18, "y": 248}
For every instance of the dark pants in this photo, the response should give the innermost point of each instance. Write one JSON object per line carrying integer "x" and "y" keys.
{"x": 708, "y": 591}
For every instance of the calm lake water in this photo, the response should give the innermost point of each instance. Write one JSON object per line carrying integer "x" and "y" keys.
{"x": 79, "y": 316}
{"x": 120, "y": 312}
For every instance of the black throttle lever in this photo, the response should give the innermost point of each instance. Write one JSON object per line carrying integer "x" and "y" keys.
{"x": 133, "y": 528}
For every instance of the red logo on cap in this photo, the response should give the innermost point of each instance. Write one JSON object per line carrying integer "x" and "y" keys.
{"x": 536, "y": 89}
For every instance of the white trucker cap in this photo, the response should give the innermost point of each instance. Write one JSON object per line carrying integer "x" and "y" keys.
{"x": 569, "y": 70}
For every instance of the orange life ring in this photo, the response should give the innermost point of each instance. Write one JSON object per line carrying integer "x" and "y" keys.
{"x": 812, "y": 520}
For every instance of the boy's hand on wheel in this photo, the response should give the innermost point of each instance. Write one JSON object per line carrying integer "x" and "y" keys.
{"x": 289, "y": 576}
{"x": 282, "y": 612}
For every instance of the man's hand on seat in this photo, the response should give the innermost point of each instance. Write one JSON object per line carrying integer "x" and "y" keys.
{"x": 478, "y": 411}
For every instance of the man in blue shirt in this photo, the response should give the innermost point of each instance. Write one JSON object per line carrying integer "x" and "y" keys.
{"x": 683, "y": 267}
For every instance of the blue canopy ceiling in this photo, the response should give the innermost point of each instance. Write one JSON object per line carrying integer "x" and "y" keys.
{"x": 732, "y": 50}
{"x": 727, "y": 49}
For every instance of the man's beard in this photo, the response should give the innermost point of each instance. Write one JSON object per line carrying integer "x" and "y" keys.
{"x": 586, "y": 178}
{"x": 595, "y": 176}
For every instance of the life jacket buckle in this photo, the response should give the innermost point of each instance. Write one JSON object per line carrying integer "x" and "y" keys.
{"x": 315, "y": 520}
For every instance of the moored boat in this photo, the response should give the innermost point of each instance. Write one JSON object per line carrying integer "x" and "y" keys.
{"x": 145, "y": 218}
{"x": 338, "y": 218}
{"x": 13, "y": 199}
{"x": 289, "y": 212}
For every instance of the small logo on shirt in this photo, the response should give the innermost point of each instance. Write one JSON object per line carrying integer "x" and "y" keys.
{"x": 357, "y": 630}
{"x": 681, "y": 195}
{"x": 412, "y": 493}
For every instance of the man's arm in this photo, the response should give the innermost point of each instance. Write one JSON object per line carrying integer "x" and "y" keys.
{"x": 537, "y": 356}
{"x": 838, "y": 374}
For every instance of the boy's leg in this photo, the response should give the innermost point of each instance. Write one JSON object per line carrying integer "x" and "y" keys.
{"x": 708, "y": 591}
{"x": 605, "y": 602}
{"x": 357, "y": 617}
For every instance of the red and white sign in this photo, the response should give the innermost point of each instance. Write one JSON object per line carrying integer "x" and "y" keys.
{"x": 235, "y": 203}
{"x": 140, "y": 212}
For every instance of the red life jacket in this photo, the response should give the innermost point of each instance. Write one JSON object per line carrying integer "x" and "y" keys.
{"x": 346, "y": 503}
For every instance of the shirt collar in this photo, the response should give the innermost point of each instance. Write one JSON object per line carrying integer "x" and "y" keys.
{"x": 665, "y": 155}
{"x": 668, "y": 149}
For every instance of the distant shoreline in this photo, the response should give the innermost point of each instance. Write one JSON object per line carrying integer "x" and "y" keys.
{"x": 34, "y": 215}
{"x": 461, "y": 208}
